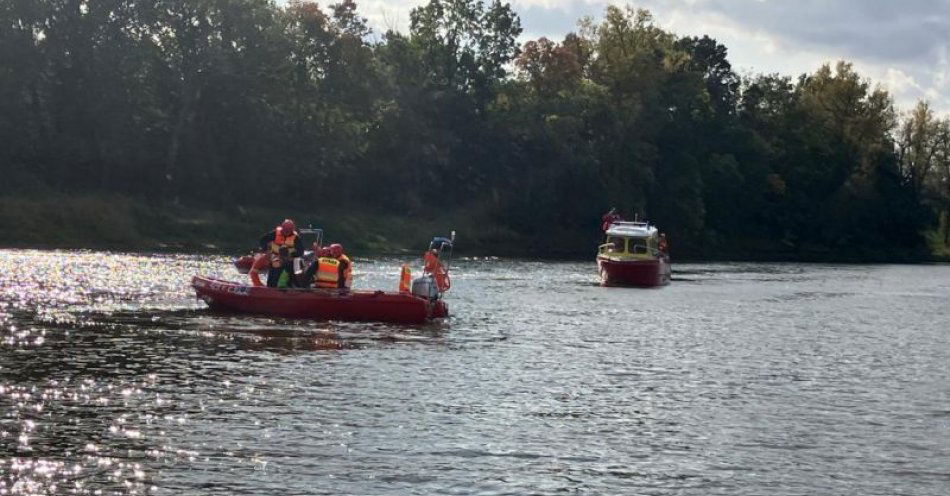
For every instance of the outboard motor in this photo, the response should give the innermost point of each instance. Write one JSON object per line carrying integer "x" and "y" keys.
{"x": 425, "y": 287}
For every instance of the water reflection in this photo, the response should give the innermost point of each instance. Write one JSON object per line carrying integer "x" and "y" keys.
{"x": 735, "y": 379}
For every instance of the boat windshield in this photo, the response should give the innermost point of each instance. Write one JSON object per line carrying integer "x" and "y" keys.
{"x": 619, "y": 244}
{"x": 641, "y": 246}
{"x": 633, "y": 245}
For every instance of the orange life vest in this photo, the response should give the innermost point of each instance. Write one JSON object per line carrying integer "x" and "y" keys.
{"x": 281, "y": 241}
{"x": 328, "y": 273}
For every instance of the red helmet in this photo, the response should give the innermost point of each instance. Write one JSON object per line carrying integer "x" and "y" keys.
{"x": 288, "y": 227}
{"x": 336, "y": 250}
{"x": 324, "y": 252}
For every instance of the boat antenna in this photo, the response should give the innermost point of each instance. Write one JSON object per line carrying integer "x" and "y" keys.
{"x": 451, "y": 251}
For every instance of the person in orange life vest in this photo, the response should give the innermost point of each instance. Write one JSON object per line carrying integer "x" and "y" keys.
{"x": 662, "y": 244}
{"x": 283, "y": 236}
{"x": 609, "y": 218}
{"x": 331, "y": 269}
{"x": 345, "y": 267}
{"x": 433, "y": 265}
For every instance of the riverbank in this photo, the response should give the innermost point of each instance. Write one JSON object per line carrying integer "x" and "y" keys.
{"x": 126, "y": 224}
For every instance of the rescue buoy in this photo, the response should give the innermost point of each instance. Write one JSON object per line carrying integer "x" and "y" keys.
{"x": 405, "y": 279}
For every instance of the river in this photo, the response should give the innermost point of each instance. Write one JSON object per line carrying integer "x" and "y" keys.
{"x": 737, "y": 379}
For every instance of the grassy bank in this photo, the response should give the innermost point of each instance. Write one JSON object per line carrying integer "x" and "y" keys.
{"x": 121, "y": 223}
{"x": 937, "y": 242}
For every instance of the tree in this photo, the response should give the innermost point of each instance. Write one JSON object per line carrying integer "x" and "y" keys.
{"x": 921, "y": 144}
{"x": 466, "y": 44}
{"x": 549, "y": 67}
{"x": 923, "y": 148}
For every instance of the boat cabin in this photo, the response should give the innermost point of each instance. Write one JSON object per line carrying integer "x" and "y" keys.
{"x": 630, "y": 240}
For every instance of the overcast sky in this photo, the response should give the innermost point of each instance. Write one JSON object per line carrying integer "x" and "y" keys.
{"x": 902, "y": 44}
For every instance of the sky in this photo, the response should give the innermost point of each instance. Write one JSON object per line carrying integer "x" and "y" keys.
{"x": 903, "y": 45}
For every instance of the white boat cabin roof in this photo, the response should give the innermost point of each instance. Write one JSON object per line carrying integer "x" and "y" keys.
{"x": 631, "y": 229}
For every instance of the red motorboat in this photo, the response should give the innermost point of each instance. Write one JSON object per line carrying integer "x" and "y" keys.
{"x": 417, "y": 301}
{"x": 322, "y": 304}
{"x": 632, "y": 256}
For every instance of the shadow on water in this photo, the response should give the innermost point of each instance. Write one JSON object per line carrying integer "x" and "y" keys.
{"x": 208, "y": 329}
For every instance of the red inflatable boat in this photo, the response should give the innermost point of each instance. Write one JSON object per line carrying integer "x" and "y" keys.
{"x": 322, "y": 304}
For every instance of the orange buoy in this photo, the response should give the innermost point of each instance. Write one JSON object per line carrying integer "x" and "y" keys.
{"x": 405, "y": 278}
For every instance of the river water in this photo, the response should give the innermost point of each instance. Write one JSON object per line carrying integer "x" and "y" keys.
{"x": 777, "y": 379}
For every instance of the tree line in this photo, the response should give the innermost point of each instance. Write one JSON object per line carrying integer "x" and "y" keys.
{"x": 217, "y": 103}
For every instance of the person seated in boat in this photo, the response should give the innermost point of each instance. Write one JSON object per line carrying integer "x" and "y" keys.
{"x": 345, "y": 267}
{"x": 283, "y": 236}
{"x": 331, "y": 269}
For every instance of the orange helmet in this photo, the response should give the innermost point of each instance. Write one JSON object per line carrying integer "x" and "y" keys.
{"x": 288, "y": 227}
{"x": 336, "y": 250}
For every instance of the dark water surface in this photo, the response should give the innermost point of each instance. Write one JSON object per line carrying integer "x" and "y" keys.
{"x": 758, "y": 379}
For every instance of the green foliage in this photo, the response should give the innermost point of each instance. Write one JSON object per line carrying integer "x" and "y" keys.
{"x": 225, "y": 104}
{"x": 465, "y": 44}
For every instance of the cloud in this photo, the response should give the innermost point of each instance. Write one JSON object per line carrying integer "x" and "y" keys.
{"x": 909, "y": 30}
{"x": 902, "y": 45}
{"x": 899, "y": 82}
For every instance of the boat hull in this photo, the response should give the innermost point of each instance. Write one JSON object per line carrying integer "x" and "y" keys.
{"x": 318, "y": 304}
{"x": 637, "y": 273}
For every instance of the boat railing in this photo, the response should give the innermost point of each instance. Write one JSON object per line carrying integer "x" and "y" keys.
{"x": 315, "y": 232}
{"x": 604, "y": 248}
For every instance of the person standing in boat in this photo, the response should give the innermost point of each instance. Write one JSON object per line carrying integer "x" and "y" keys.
{"x": 609, "y": 218}
{"x": 433, "y": 265}
{"x": 283, "y": 236}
